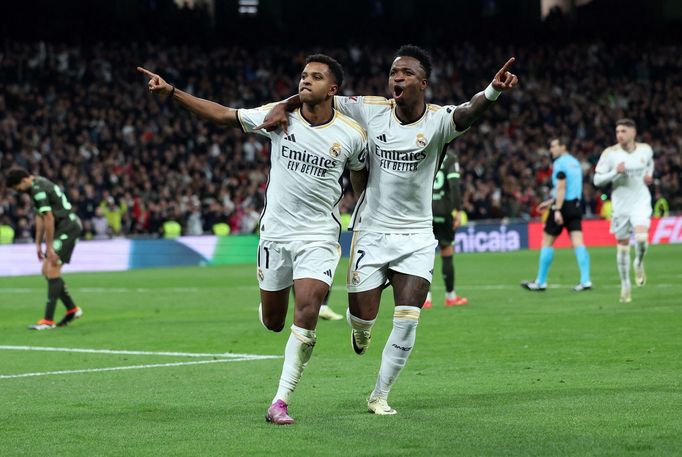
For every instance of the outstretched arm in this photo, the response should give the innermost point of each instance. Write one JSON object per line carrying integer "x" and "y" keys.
{"x": 465, "y": 115}
{"x": 205, "y": 109}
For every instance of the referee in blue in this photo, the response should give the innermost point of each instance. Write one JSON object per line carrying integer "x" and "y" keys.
{"x": 567, "y": 181}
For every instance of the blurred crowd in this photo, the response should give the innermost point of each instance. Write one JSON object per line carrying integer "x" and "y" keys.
{"x": 82, "y": 117}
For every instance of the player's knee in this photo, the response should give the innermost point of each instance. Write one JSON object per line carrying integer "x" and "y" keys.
{"x": 641, "y": 237}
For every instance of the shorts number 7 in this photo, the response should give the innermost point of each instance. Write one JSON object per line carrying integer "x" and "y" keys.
{"x": 362, "y": 254}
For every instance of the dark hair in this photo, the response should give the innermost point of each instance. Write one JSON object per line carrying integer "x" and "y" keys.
{"x": 626, "y": 121}
{"x": 334, "y": 66}
{"x": 562, "y": 140}
{"x": 422, "y": 55}
{"x": 15, "y": 175}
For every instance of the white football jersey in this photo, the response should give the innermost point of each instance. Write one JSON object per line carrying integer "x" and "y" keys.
{"x": 629, "y": 193}
{"x": 304, "y": 189}
{"x": 402, "y": 162}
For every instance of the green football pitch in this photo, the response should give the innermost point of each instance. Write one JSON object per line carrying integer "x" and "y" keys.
{"x": 173, "y": 362}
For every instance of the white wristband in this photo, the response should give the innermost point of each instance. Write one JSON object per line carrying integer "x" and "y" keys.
{"x": 491, "y": 93}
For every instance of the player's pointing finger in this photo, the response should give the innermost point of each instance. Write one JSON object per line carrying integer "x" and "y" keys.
{"x": 146, "y": 72}
{"x": 507, "y": 65}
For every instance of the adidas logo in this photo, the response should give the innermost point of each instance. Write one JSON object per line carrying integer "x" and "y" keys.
{"x": 382, "y": 137}
{"x": 291, "y": 138}
{"x": 328, "y": 273}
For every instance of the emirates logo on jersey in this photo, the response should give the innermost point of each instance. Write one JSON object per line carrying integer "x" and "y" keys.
{"x": 335, "y": 150}
{"x": 421, "y": 140}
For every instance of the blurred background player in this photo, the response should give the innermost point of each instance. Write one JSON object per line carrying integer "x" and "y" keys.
{"x": 299, "y": 227}
{"x": 565, "y": 212}
{"x": 59, "y": 227}
{"x": 447, "y": 205}
{"x": 629, "y": 167}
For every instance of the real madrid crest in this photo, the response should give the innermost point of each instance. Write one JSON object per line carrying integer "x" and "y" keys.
{"x": 421, "y": 140}
{"x": 335, "y": 150}
{"x": 356, "y": 278}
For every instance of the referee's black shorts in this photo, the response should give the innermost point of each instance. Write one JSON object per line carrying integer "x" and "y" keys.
{"x": 573, "y": 217}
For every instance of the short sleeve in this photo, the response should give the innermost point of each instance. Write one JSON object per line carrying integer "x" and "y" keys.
{"x": 42, "y": 202}
{"x": 250, "y": 118}
{"x": 560, "y": 169}
{"x": 358, "y": 158}
{"x": 446, "y": 120}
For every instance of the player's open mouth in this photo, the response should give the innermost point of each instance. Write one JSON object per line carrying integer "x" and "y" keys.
{"x": 397, "y": 92}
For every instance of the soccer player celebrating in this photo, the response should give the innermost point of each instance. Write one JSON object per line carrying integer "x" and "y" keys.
{"x": 629, "y": 167}
{"x": 447, "y": 204}
{"x": 393, "y": 239}
{"x": 59, "y": 227}
{"x": 299, "y": 227}
{"x": 567, "y": 180}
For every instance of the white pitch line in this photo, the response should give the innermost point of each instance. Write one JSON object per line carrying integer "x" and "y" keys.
{"x": 225, "y": 355}
{"x": 130, "y": 367}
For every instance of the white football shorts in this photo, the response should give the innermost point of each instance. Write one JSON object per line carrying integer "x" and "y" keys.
{"x": 373, "y": 254}
{"x": 279, "y": 263}
{"x": 623, "y": 225}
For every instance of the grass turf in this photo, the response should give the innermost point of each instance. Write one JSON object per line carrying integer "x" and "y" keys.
{"x": 513, "y": 373}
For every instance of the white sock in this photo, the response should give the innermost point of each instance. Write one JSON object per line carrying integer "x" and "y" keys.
{"x": 324, "y": 308}
{"x": 428, "y": 296}
{"x": 297, "y": 352}
{"x": 450, "y": 295}
{"x": 397, "y": 349}
{"x": 641, "y": 245}
{"x": 623, "y": 262}
{"x": 358, "y": 324}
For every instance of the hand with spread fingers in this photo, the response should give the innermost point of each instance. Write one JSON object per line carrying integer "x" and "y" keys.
{"x": 505, "y": 80}
{"x": 157, "y": 85}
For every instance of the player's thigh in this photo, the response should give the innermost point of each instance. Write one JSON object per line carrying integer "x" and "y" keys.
{"x": 274, "y": 305}
{"x": 274, "y": 266}
{"x": 368, "y": 262}
{"x": 409, "y": 290}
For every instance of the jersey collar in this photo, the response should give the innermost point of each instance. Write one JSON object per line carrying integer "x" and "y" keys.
{"x": 421, "y": 118}
{"x": 299, "y": 112}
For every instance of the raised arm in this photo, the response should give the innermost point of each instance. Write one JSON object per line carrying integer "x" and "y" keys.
{"x": 205, "y": 109}
{"x": 466, "y": 114}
